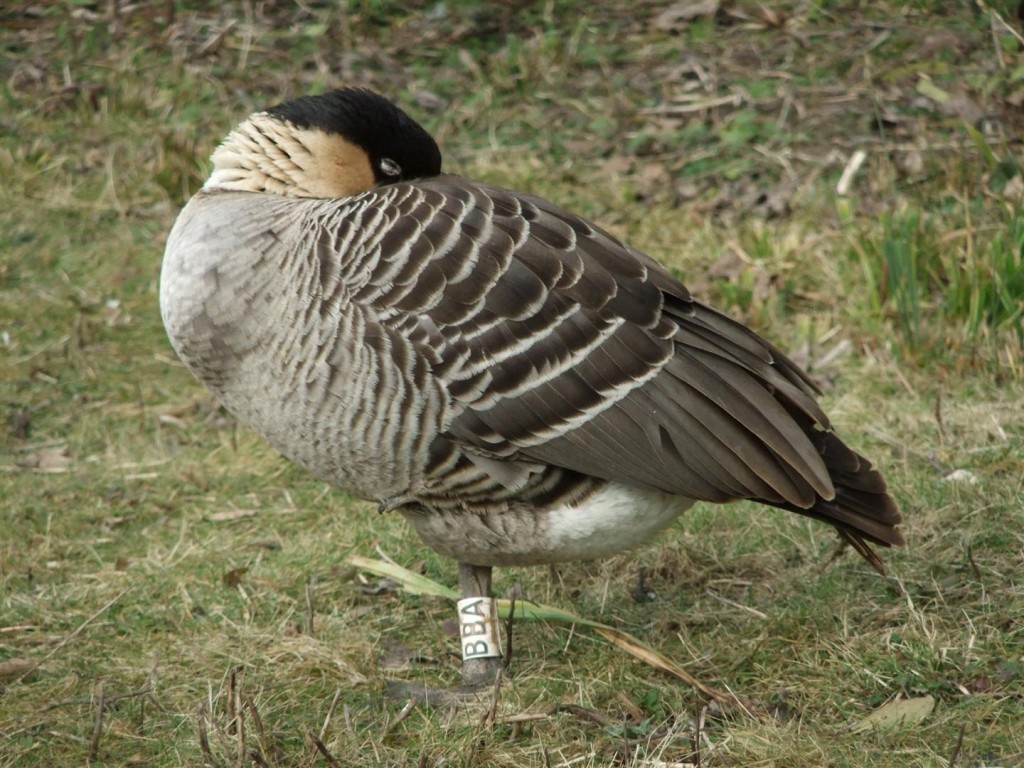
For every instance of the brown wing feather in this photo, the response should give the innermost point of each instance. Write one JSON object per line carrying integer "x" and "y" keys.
{"x": 561, "y": 345}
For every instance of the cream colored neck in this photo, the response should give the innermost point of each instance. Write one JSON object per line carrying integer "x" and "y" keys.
{"x": 265, "y": 154}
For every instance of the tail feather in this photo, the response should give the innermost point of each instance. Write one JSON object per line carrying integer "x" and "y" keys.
{"x": 863, "y": 550}
{"x": 862, "y": 510}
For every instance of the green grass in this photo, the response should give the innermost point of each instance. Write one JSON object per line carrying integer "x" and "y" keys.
{"x": 954, "y": 289}
{"x": 159, "y": 566}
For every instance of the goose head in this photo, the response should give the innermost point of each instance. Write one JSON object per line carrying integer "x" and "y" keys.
{"x": 332, "y": 145}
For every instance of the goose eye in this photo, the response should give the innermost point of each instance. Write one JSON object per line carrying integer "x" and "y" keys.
{"x": 389, "y": 167}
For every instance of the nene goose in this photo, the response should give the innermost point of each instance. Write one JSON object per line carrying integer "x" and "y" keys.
{"x": 522, "y": 386}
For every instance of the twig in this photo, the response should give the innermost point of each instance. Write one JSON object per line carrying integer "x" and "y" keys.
{"x": 512, "y": 595}
{"x": 492, "y": 712}
{"x": 404, "y": 713}
{"x": 938, "y": 416}
{"x": 856, "y": 161}
{"x": 19, "y": 628}
{"x": 97, "y": 725}
{"x": 486, "y": 722}
{"x": 694, "y": 104}
{"x": 239, "y": 722}
{"x": 232, "y": 714}
{"x": 331, "y": 761}
{"x": 734, "y": 604}
{"x": 995, "y": 38}
{"x": 310, "y": 588}
{"x": 699, "y": 728}
{"x": 527, "y": 717}
{"x": 257, "y": 721}
{"x": 330, "y": 713}
{"x": 959, "y": 743}
{"x": 204, "y": 738}
{"x": 215, "y": 40}
{"x": 108, "y": 699}
{"x": 585, "y": 713}
{"x": 970, "y": 561}
{"x": 70, "y": 637}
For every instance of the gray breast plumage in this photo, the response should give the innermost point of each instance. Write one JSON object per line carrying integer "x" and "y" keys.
{"x": 352, "y": 334}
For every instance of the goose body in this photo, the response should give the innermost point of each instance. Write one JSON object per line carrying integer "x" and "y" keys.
{"x": 522, "y": 386}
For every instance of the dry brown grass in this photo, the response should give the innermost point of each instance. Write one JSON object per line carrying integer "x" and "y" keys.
{"x": 173, "y": 593}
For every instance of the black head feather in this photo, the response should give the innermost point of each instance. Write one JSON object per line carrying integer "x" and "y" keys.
{"x": 373, "y": 123}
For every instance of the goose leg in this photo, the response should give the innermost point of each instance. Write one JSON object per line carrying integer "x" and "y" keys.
{"x": 478, "y": 636}
{"x": 478, "y": 627}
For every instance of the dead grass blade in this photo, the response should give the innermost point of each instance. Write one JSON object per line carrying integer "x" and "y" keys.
{"x": 526, "y": 610}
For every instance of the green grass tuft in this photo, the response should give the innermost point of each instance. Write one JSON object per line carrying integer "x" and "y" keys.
{"x": 956, "y": 295}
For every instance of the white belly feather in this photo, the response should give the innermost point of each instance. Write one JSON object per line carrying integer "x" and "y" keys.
{"x": 613, "y": 519}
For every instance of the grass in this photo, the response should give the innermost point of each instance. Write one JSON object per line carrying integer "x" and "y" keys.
{"x": 174, "y": 593}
